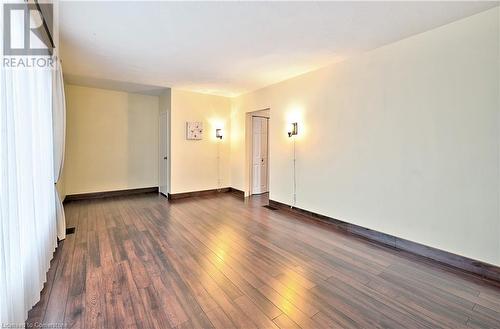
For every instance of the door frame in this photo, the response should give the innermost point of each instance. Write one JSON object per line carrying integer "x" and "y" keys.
{"x": 265, "y": 113}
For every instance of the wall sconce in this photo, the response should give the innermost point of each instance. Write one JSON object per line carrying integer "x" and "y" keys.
{"x": 292, "y": 129}
{"x": 218, "y": 133}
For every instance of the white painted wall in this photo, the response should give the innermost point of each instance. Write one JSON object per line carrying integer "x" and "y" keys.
{"x": 403, "y": 139}
{"x": 111, "y": 141}
{"x": 194, "y": 162}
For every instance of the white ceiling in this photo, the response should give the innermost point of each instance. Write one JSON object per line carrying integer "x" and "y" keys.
{"x": 229, "y": 48}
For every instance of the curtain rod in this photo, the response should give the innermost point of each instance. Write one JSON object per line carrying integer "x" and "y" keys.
{"x": 44, "y": 21}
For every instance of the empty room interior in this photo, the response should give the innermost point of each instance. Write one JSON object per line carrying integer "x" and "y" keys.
{"x": 250, "y": 164}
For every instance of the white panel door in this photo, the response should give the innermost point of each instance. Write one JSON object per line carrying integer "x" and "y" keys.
{"x": 163, "y": 153}
{"x": 263, "y": 153}
{"x": 256, "y": 155}
{"x": 259, "y": 155}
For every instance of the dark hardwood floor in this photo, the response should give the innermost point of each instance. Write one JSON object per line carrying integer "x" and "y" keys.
{"x": 215, "y": 261}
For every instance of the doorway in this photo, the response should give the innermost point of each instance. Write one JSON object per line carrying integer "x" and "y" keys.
{"x": 164, "y": 155}
{"x": 260, "y": 155}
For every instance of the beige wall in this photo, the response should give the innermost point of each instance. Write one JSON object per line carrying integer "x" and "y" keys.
{"x": 194, "y": 162}
{"x": 403, "y": 139}
{"x": 61, "y": 187}
{"x": 111, "y": 141}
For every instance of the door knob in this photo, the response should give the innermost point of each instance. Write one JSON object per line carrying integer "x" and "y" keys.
{"x": 164, "y": 158}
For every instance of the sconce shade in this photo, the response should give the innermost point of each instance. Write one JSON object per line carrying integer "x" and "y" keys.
{"x": 218, "y": 133}
{"x": 293, "y": 129}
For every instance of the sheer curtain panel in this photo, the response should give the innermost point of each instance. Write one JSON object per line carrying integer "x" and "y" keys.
{"x": 59, "y": 122}
{"x": 28, "y": 232}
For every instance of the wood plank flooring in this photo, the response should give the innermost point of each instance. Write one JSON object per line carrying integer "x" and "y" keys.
{"x": 217, "y": 262}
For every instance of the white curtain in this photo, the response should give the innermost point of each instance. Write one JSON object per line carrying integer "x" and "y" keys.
{"x": 28, "y": 232}
{"x": 59, "y": 122}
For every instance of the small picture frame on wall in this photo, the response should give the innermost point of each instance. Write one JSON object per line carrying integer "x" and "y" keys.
{"x": 194, "y": 130}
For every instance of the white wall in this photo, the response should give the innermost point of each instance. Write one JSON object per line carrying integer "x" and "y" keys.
{"x": 403, "y": 139}
{"x": 194, "y": 162}
{"x": 111, "y": 141}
